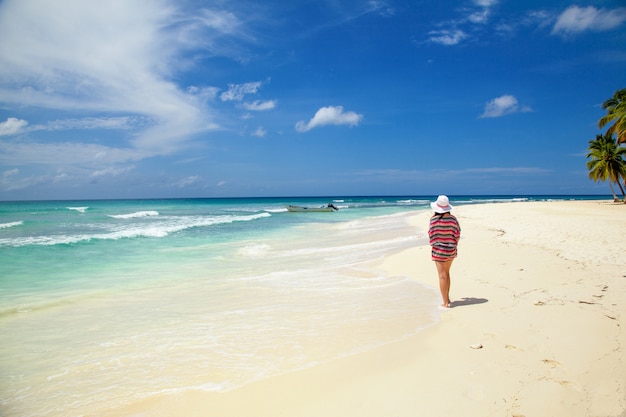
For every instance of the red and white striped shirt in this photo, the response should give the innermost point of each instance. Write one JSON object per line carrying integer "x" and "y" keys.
{"x": 444, "y": 233}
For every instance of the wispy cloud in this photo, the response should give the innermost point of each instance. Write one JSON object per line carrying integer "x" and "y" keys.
{"x": 111, "y": 171}
{"x": 96, "y": 156}
{"x": 340, "y": 13}
{"x": 447, "y": 37}
{"x": 122, "y": 62}
{"x": 503, "y": 105}
{"x": 469, "y": 21}
{"x": 331, "y": 115}
{"x": 381, "y": 7}
{"x": 10, "y": 180}
{"x": 485, "y": 3}
{"x": 482, "y": 14}
{"x": 236, "y": 92}
{"x": 456, "y": 30}
{"x": 121, "y": 123}
{"x": 186, "y": 182}
{"x": 259, "y": 105}
{"x": 13, "y": 126}
{"x": 70, "y": 161}
{"x": 529, "y": 19}
{"x": 259, "y": 132}
{"x": 577, "y": 19}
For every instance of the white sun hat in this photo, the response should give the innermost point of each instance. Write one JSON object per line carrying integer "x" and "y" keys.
{"x": 442, "y": 205}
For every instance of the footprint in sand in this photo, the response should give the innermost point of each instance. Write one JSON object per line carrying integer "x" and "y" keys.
{"x": 551, "y": 362}
{"x": 511, "y": 347}
{"x": 603, "y": 288}
{"x": 562, "y": 382}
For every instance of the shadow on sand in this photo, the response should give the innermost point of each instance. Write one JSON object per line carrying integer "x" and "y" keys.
{"x": 468, "y": 301}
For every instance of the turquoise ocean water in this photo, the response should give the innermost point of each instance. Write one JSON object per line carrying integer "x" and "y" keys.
{"x": 103, "y": 303}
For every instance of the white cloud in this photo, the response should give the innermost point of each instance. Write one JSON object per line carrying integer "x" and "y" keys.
{"x": 61, "y": 176}
{"x": 236, "y": 92}
{"x": 220, "y": 21}
{"x": 579, "y": 19}
{"x": 481, "y": 16}
{"x": 485, "y": 3}
{"x": 205, "y": 93}
{"x": 12, "y": 126}
{"x": 111, "y": 171}
{"x": 380, "y": 7}
{"x": 259, "y": 132}
{"x": 115, "y": 56}
{"x": 446, "y": 37}
{"x": 259, "y": 105}
{"x": 123, "y": 123}
{"x": 10, "y": 172}
{"x": 503, "y": 105}
{"x": 331, "y": 115}
{"x": 469, "y": 22}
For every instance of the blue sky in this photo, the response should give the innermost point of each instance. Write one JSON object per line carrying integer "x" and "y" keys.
{"x": 191, "y": 98}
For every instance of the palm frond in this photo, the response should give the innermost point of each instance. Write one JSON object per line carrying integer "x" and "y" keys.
{"x": 616, "y": 114}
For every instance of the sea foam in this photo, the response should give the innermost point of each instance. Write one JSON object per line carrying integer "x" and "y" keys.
{"x": 136, "y": 215}
{"x": 159, "y": 228}
{"x": 11, "y": 224}
{"x": 79, "y": 209}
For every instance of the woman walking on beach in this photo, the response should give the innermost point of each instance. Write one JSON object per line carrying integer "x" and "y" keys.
{"x": 444, "y": 233}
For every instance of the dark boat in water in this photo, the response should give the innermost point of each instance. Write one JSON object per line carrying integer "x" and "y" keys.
{"x": 301, "y": 209}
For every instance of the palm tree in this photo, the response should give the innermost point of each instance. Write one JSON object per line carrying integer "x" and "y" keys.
{"x": 607, "y": 161}
{"x": 616, "y": 113}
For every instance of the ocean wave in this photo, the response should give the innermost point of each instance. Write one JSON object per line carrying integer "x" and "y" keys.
{"x": 11, "y": 224}
{"x": 158, "y": 229}
{"x": 136, "y": 215}
{"x": 277, "y": 210}
{"x": 411, "y": 201}
{"x": 79, "y": 209}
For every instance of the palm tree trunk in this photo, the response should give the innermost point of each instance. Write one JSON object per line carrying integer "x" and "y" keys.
{"x": 622, "y": 190}
{"x": 615, "y": 199}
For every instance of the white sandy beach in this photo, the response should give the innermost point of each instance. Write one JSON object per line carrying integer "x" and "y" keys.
{"x": 540, "y": 287}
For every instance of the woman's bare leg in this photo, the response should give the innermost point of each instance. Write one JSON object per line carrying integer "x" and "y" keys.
{"x": 443, "y": 270}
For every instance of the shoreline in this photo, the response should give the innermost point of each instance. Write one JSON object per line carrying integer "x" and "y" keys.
{"x": 539, "y": 286}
